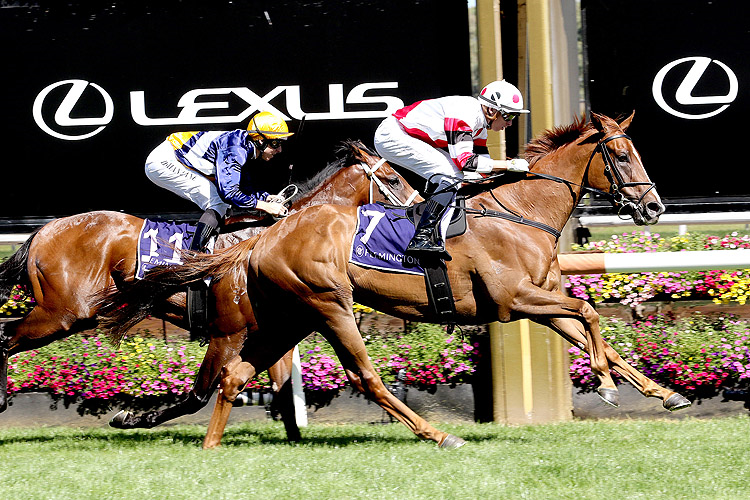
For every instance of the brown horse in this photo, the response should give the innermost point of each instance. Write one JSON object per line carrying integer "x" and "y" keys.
{"x": 70, "y": 259}
{"x": 504, "y": 268}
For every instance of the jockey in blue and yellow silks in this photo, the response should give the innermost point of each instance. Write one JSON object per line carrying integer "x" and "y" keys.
{"x": 206, "y": 167}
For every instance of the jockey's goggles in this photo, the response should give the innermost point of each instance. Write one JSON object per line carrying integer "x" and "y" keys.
{"x": 508, "y": 117}
{"x": 273, "y": 143}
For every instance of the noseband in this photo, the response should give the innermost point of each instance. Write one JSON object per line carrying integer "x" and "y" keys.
{"x": 370, "y": 171}
{"x": 620, "y": 200}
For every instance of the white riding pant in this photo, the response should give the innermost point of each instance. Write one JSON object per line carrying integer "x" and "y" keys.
{"x": 164, "y": 170}
{"x": 396, "y": 146}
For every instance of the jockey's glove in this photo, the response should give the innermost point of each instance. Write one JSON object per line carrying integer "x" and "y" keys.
{"x": 517, "y": 165}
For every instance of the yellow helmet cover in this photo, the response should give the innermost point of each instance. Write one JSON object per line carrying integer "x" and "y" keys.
{"x": 267, "y": 125}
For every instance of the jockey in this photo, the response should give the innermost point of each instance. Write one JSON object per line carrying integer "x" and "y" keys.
{"x": 207, "y": 167}
{"x": 445, "y": 139}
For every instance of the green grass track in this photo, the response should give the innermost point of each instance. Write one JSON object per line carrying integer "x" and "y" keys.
{"x": 628, "y": 459}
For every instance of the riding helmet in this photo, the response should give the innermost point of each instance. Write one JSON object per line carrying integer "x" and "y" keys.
{"x": 266, "y": 125}
{"x": 503, "y": 96}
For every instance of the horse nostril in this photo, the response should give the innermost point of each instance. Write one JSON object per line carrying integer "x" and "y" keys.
{"x": 655, "y": 208}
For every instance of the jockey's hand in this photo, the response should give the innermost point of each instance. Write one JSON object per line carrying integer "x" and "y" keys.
{"x": 275, "y": 198}
{"x": 517, "y": 165}
{"x": 275, "y": 209}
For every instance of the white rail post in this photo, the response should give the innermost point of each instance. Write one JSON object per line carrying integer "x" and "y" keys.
{"x": 300, "y": 407}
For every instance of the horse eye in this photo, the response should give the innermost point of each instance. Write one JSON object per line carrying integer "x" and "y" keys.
{"x": 622, "y": 158}
{"x": 394, "y": 181}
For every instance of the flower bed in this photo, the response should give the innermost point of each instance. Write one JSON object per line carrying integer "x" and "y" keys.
{"x": 144, "y": 373}
{"x": 697, "y": 356}
{"x": 634, "y": 289}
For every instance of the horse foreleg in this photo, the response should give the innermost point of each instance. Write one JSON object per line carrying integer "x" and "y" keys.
{"x": 573, "y": 331}
{"x": 283, "y": 400}
{"x": 345, "y": 338}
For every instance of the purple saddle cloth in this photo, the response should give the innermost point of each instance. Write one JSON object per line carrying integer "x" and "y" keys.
{"x": 381, "y": 238}
{"x": 160, "y": 243}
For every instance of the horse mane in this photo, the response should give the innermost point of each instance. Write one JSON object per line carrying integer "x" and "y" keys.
{"x": 553, "y": 139}
{"x": 349, "y": 151}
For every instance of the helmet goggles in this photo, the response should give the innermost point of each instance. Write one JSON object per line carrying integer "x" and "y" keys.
{"x": 508, "y": 117}
{"x": 269, "y": 129}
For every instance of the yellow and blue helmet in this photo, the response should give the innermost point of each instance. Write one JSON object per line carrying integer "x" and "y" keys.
{"x": 267, "y": 126}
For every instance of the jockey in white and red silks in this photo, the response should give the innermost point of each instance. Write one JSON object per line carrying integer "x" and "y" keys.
{"x": 443, "y": 140}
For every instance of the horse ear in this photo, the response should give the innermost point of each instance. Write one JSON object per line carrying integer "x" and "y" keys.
{"x": 597, "y": 121}
{"x": 626, "y": 122}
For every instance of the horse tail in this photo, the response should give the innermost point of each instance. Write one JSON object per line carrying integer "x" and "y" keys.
{"x": 14, "y": 270}
{"x": 120, "y": 310}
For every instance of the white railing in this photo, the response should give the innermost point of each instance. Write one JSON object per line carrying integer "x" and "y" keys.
{"x": 600, "y": 263}
{"x": 681, "y": 220}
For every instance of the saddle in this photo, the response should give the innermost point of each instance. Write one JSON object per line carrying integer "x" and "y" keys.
{"x": 457, "y": 225}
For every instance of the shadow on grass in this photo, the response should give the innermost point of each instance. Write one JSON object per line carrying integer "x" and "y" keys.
{"x": 239, "y": 435}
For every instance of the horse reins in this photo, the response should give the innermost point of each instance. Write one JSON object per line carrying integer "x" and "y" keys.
{"x": 370, "y": 171}
{"x": 618, "y": 199}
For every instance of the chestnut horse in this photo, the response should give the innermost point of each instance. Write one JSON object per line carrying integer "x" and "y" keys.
{"x": 70, "y": 259}
{"x": 504, "y": 268}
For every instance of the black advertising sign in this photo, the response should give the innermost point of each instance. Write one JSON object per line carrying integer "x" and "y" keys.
{"x": 90, "y": 88}
{"x": 681, "y": 65}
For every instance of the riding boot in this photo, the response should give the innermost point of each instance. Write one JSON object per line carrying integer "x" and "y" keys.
{"x": 197, "y": 293}
{"x": 428, "y": 238}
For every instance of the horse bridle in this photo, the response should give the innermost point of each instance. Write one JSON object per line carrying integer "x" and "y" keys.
{"x": 619, "y": 200}
{"x": 374, "y": 180}
{"x": 616, "y": 184}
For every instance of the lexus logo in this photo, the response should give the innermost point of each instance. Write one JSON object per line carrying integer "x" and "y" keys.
{"x": 684, "y": 94}
{"x": 194, "y": 103}
{"x": 62, "y": 115}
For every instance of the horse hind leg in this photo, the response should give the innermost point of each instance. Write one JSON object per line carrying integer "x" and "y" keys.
{"x": 283, "y": 400}
{"x": 4, "y": 348}
{"x": 572, "y": 331}
{"x": 236, "y": 375}
{"x": 257, "y": 355}
{"x": 345, "y": 338}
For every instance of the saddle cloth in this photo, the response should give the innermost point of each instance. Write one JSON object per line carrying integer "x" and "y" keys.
{"x": 383, "y": 232}
{"x": 160, "y": 243}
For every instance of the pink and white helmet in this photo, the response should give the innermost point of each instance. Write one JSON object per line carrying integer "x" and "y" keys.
{"x": 503, "y": 96}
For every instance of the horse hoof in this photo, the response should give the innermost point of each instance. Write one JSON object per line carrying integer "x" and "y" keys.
{"x": 452, "y": 442}
{"x": 676, "y": 402}
{"x": 609, "y": 396}
{"x": 120, "y": 419}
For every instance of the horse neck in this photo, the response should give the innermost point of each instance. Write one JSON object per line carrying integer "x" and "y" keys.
{"x": 347, "y": 186}
{"x": 544, "y": 200}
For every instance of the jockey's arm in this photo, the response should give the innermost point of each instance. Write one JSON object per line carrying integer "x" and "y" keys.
{"x": 464, "y": 156}
{"x": 228, "y": 174}
{"x": 513, "y": 165}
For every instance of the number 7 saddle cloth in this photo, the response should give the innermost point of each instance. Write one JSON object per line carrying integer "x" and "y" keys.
{"x": 384, "y": 231}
